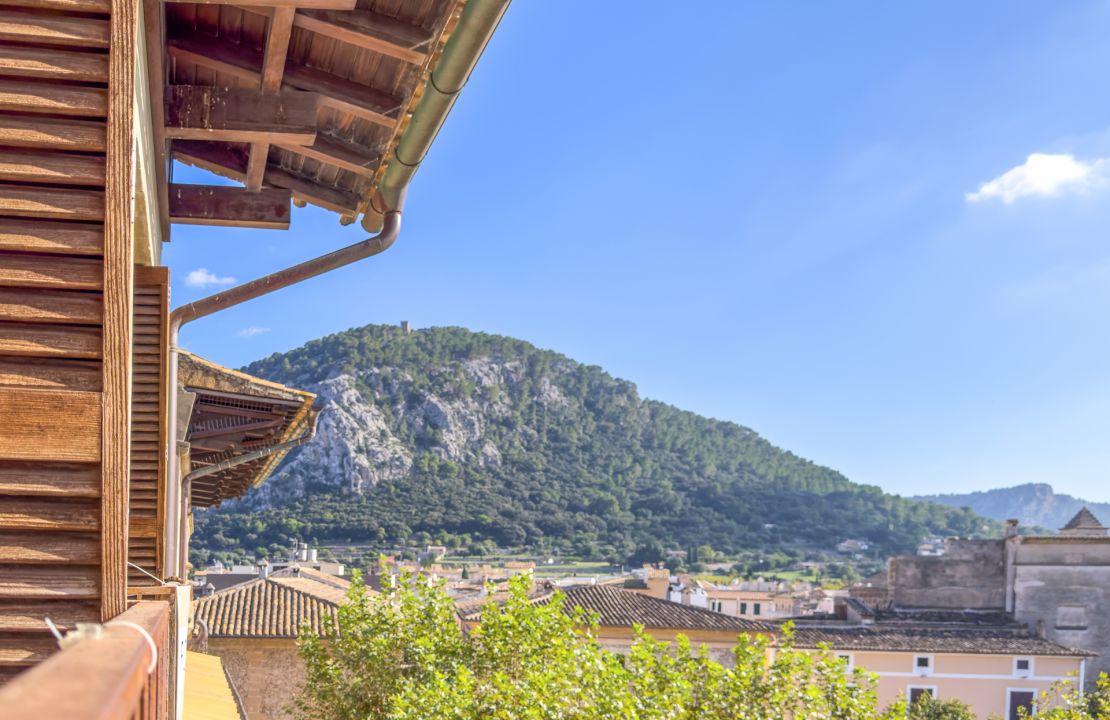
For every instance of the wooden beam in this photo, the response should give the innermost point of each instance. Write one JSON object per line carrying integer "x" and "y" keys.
{"x": 47, "y": 133}
{"x": 232, "y": 206}
{"x": 240, "y": 115}
{"x": 32, "y": 96}
{"x": 244, "y": 64}
{"x": 273, "y": 67}
{"x": 119, "y": 230}
{"x": 322, "y": 4}
{"x": 362, "y": 28}
{"x": 227, "y": 162}
{"x": 339, "y": 153}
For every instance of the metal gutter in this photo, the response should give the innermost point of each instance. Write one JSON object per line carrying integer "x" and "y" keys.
{"x": 477, "y": 23}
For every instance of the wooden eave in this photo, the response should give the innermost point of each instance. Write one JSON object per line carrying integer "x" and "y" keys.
{"x": 365, "y": 62}
{"x": 234, "y": 414}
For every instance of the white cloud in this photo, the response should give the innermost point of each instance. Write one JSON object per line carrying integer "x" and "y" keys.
{"x": 253, "y": 331}
{"x": 1041, "y": 175}
{"x": 201, "y": 278}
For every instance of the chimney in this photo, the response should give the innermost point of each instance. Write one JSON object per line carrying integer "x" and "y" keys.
{"x": 312, "y": 555}
{"x": 1011, "y": 527}
{"x": 263, "y": 568}
{"x": 303, "y": 552}
{"x": 1041, "y": 630}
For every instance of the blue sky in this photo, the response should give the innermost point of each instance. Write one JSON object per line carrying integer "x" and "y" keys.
{"x": 819, "y": 220}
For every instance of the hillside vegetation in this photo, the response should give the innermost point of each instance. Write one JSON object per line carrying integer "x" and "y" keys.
{"x": 464, "y": 437}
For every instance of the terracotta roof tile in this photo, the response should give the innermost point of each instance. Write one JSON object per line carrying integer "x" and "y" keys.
{"x": 948, "y": 640}
{"x": 274, "y": 607}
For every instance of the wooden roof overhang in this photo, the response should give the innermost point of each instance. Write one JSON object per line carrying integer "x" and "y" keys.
{"x": 235, "y": 414}
{"x": 302, "y": 101}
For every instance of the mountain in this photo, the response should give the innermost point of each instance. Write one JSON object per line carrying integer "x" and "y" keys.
{"x": 466, "y": 437}
{"x": 1032, "y": 504}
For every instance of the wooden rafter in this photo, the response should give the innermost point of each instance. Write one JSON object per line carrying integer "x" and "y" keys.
{"x": 231, "y": 206}
{"x": 362, "y": 28}
{"x": 226, "y": 161}
{"x": 246, "y": 65}
{"x": 240, "y": 115}
{"x": 273, "y": 67}
{"x": 339, "y": 153}
{"x": 323, "y": 4}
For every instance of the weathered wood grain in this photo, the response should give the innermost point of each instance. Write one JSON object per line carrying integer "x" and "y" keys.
{"x": 240, "y": 115}
{"x": 50, "y": 306}
{"x": 238, "y": 207}
{"x": 51, "y": 203}
{"x": 54, "y": 134}
{"x": 51, "y": 425}
{"x": 62, "y": 273}
{"x": 38, "y": 236}
{"x": 66, "y": 32}
{"x": 27, "y": 96}
{"x": 49, "y": 341}
{"x": 53, "y": 64}
{"x": 56, "y": 168}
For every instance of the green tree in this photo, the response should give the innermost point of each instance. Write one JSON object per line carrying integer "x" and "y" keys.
{"x": 929, "y": 708}
{"x": 402, "y": 656}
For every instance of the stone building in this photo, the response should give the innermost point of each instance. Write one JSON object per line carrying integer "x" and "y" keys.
{"x": 1057, "y": 585}
{"x": 253, "y": 628}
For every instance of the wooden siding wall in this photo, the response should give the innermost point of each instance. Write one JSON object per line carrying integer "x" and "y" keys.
{"x": 148, "y": 427}
{"x": 65, "y": 316}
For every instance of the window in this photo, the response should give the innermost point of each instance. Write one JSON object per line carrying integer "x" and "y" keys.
{"x": 1023, "y": 667}
{"x": 715, "y": 605}
{"x": 755, "y": 608}
{"x": 1071, "y": 617}
{"x": 846, "y": 658}
{"x": 743, "y": 608}
{"x": 923, "y": 664}
{"x": 1017, "y": 699}
{"x": 914, "y": 693}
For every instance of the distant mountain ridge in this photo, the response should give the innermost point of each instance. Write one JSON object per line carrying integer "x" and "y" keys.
{"x": 448, "y": 435}
{"x": 1031, "y": 503}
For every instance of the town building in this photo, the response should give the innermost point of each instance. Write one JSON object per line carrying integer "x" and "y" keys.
{"x": 986, "y": 660}
{"x": 253, "y": 629}
{"x": 1056, "y": 585}
{"x": 618, "y": 610}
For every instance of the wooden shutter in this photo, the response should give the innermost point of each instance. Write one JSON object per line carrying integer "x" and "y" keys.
{"x": 148, "y": 425}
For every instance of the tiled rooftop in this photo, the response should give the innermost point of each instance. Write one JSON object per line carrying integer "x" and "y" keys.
{"x": 930, "y": 640}
{"x": 275, "y": 606}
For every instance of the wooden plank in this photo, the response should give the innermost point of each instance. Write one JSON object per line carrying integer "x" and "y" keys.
{"x": 37, "y": 97}
{"x": 62, "y": 480}
{"x": 67, "y": 32}
{"x": 49, "y": 549}
{"x": 53, "y": 134}
{"x": 119, "y": 241}
{"x": 50, "y": 374}
{"x": 232, "y": 206}
{"x": 23, "y": 616}
{"x": 339, "y": 153}
{"x": 218, "y": 158}
{"x": 331, "y": 198}
{"x": 155, "y": 32}
{"x": 51, "y": 203}
{"x": 54, "y": 168}
{"x": 85, "y": 6}
{"x": 48, "y": 583}
{"x": 53, "y": 64}
{"x": 50, "y": 306}
{"x": 369, "y": 30}
{"x": 240, "y": 115}
{"x": 33, "y": 271}
{"x": 244, "y": 64}
{"x": 25, "y": 650}
{"x": 273, "y": 67}
{"x": 51, "y": 425}
{"x": 40, "y": 236}
{"x": 49, "y": 341}
{"x": 34, "y": 514}
{"x": 324, "y": 4}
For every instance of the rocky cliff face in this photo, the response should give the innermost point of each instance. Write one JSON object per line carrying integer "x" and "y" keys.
{"x": 375, "y": 422}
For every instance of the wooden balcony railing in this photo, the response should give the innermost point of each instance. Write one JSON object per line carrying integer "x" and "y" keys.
{"x": 116, "y": 676}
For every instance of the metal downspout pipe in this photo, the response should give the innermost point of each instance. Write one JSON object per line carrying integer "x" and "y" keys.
{"x": 177, "y": 490}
